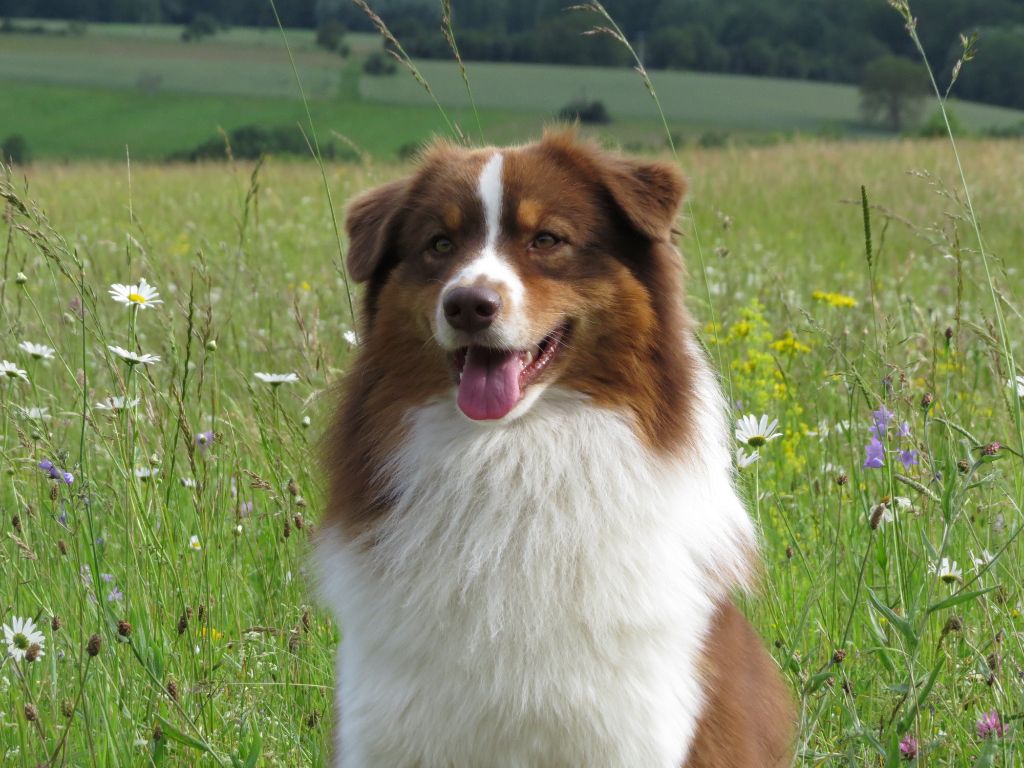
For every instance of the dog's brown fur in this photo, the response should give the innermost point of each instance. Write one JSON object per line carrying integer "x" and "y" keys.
{"x": 620, "y": 278}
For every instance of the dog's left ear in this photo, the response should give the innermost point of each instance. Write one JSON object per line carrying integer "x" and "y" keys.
{"x": 370, "y": 223}
{"x": 648, "y": 194}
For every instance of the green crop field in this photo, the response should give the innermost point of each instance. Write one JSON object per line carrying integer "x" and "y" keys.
{"x": 181, "y": 519}
{"x": 138, "y": 86}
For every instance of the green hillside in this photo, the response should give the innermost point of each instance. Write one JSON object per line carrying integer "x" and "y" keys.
{"x": 117, "y": 85}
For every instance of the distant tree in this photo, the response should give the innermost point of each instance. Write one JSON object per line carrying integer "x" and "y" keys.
{"x": 586, "y": 111}
{"x": 329, "y": 34}
{"x": 692, "y": 46}
{"x": 14, "y": 150}
{"x": 996, "y": 74}
{"x": 935, "y": 125}
{"x": 892, "y": 91}
{"x": 202, "y": 25}
{"x": 379, "y": 63}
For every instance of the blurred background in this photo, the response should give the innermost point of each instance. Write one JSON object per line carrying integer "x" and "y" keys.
{"x": 175, "y": 79}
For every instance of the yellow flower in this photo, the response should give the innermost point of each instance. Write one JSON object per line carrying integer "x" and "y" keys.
{"x": 788, "y": 345}
{"x": 215, "y": 634}
{"x": 834, "y": 299}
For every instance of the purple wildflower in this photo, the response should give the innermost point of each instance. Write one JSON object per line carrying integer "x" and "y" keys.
{"x": 107, "y": 577}
{"x": 245, "y": 509}
{"x": 115, "y": 596}
{"x": 909, "y": 458}
{"x": 875, "y": 454}
{"x": 55, "y": 472}
{"x": 908, "y": 747}
{"x": 883, "y": 418}
{"x": 904, "y": 429}
{"x": 204, "y": 440}
{"x": 988, "y": 724}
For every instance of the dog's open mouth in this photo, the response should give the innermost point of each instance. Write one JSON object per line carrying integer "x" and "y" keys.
{"x": 492, "y": 381}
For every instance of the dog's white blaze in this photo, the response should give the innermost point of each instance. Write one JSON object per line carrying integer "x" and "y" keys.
{"x": 511, "y": 330}
{"x": 489, "y": 189}
{"x": 538, "y": 594}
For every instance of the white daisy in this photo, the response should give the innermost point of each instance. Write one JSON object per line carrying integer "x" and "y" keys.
{"x": 193, "y": 543}
{"x": 982, "y": 561}
{"x": 11, "y": 371}
{"x": 276, "y": 379}
{"x": 142, "y": 295}
{"x": 34, "y": 414}
{"x": 146, "y": 473}
{"x": 750, "y": 431}
{"x": 20, "y": 635}
{"x": 1018, "y": 383}
{"x": 947, "y": 570}
{"x": 116, "y": 403}
{"x": 188, "y": 482}
{"x": 744, "y": 459}
{"x": 37, "y": 351}
{"x": 132, "y": 358}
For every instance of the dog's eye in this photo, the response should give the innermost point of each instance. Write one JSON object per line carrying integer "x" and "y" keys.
{"x": 544, "y": 241}
{"x": 441, "y": 245}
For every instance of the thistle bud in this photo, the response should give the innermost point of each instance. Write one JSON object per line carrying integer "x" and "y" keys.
{"x": 94, "y": 645}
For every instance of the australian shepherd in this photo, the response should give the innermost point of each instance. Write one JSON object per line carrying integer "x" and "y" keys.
{"x": 532, "y": 534}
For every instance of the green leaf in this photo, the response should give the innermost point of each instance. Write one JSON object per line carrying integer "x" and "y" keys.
{"x": 897, "y": 621}
{"x": 908, "y": 718}
{"x": 254, "y": 751}
{"x": 959, "y": 597}
{"x": 174, "y": 734}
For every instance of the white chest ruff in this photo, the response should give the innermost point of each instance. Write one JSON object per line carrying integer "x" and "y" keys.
{"x": 538, "y": 594}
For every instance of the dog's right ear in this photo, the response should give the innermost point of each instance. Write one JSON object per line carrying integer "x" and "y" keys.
{"x": 370, "y": 224}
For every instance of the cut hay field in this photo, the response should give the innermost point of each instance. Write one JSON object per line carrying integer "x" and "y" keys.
{"x": 181, "y": 542}
{"x": 90, "y": 96}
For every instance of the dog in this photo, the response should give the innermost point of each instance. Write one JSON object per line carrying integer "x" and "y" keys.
{"x": 532, "y": 533}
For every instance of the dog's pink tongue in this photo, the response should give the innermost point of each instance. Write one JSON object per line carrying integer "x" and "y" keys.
{"x": 489, "y": 387}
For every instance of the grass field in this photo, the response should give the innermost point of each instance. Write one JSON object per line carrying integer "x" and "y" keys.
{"x": 228, "y": 658}
{"x": 140, "y": 86}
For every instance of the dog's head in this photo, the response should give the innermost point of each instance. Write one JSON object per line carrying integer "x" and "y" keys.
{"x": 493, "y": 274}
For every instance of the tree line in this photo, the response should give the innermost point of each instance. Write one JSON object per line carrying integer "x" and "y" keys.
{"x": 828, "y": 40}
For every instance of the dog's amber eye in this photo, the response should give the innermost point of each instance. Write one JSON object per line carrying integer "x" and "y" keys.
{"x": 543, "y": 241}
{"x": 441, "y": 245}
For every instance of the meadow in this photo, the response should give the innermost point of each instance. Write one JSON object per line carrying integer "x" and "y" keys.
{"x": 158, "y": 514}
{"x": 177, "y": 551}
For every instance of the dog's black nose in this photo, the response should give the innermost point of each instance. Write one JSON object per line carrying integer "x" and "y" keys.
{"x": 471, "y": 308}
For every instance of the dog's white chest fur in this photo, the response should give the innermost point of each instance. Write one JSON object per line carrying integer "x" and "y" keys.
{"x": 538, "y": 594}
